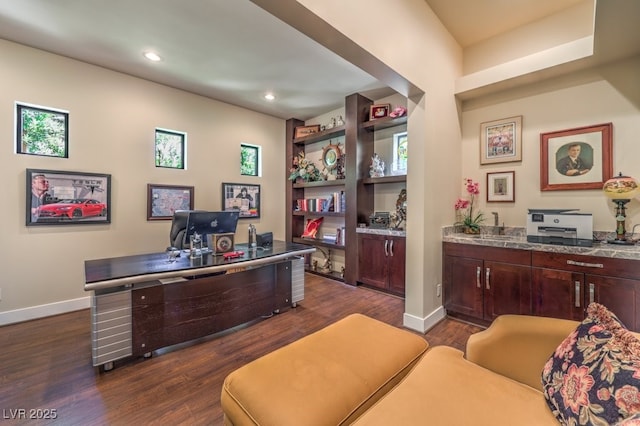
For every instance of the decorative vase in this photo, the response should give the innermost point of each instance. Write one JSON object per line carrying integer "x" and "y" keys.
{"x": 471, "y": 231}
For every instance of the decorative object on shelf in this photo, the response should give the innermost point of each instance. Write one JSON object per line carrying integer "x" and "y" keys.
{"x": 577, "y": 158}
{"x": 243, "y": 197}
{"x": 379, "y": 111}
{"x": 400, "y": 157}
{"x": 302, "y": 131}
{"x": 501, "y": 187}
{"x": 621, "y": 189}
{"x": 164, "y": 200}
{"x": 342, "y": 272}
{"x": 400, "y": 215}
{"x": 501, "y": 140}
{"x": 304, "y": 169}
{"x": 340, "y": 121}
{"x": 340, "y": 167}
{"x": 326, "y": 265}
{"x": 376, "y": 169}
{"x": 311, "y": 229}
{"x": 332, "y": 124}
{"x": 380, "y": 220}
{"x": 55, "y": 197}
{"x": 398, "y": 111}
{"x": 330, "y": 156}
{"x": 464, "y": 209}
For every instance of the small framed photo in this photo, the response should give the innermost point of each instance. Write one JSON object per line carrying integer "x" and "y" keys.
{"x": 579, "y": 158}
{"x": 501, "y": 187}
{"x": 67, "y": 198}
{"x": 302, "y": 131}
{"x": 501, "y": 141}
{"x": 42, "y": 131}
{"x": 379, "y": 111}
{"x": 243, "y": 197}
{"x": 164, "y": 200}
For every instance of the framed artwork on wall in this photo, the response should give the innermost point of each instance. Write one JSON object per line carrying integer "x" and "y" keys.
{"x": 501, "y": 187}
{"x": 501, "y": 140}
{"x": 243, "y": 197}
{"x": 302, "y": 131}
{"x": 578, "y": 158}
{"x": 164, "y": 200}
{"x": 56, "y": 197}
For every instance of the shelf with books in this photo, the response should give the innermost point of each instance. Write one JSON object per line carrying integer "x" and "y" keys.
{"x": 318, "y": 242}
{"x": 337, "y": 182}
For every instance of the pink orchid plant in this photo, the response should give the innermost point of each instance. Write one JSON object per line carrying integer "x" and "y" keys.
{"x": 465, "y": 207}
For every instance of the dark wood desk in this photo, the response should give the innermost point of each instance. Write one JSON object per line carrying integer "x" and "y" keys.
{"x": 144, "y": 302}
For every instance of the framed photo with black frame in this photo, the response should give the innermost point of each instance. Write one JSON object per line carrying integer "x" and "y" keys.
{"x": 42, "y": 131}
{"x": 164, "y": 200}
{"x": 243, "y": 197}
{"x": 56, "y": 197}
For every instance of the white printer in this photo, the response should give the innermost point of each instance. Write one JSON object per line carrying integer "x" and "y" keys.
{"x": 563, "y": 227}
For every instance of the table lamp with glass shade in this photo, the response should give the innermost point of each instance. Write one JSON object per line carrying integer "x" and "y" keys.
{"x": 621, "y": 189}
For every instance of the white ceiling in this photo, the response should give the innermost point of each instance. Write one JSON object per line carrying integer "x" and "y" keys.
{"x": 232, "y": 51}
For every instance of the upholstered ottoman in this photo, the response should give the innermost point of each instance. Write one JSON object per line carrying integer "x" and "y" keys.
{"x": 344, "y": 369}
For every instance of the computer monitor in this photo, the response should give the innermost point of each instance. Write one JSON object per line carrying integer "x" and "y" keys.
{"x": 204, "y": 223}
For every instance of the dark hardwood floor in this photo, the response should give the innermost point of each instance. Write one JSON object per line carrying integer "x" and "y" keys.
{"x": 45, "y": 364}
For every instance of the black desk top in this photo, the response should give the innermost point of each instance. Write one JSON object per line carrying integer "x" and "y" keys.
{"x": 145, "y": 264}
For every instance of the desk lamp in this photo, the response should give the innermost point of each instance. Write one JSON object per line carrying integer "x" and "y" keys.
{"x": 621, "y": 189}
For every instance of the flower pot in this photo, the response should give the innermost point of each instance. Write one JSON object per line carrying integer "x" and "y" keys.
{"x": 471, "y": 231}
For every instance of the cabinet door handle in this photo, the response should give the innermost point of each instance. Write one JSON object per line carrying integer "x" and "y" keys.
{"x": 478, "y": 274}
{"x": 386, "y": 247}
{"x": 592, "y": 291}
{"x": 577, "y": 288}
{"x": 391, "y": 248}
{"x": 487, "y": 273}
{"x": 588, "y": 265}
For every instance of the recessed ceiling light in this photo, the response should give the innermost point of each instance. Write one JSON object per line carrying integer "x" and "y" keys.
{"x": 152, "y": 56}
{"x": 269, "y": 96}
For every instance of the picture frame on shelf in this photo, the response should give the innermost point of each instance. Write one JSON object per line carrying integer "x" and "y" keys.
{"x": 55, "y": 197}
{"x": 501, "y": 140}
{"x": 302, "y": 131}
{"x": 379, "y": 111}
{"x": 576, "y": 159}
{"x": 243, "y": 197}
{"x": 501, "y": 187}
{"x": 164, "y": 200}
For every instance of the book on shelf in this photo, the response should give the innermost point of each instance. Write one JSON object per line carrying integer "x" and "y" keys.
{"x": 332, "y": 203}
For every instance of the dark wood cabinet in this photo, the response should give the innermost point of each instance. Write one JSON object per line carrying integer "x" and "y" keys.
{"x": 381, "y": 262}
{"x": 481, "y": 283}
{"x": 564, "y": 285}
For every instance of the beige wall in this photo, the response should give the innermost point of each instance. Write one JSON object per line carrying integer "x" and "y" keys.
{"x": 601, "y": 95}
{"x": 415, "y": 45}
{"x": 112, "y": 122}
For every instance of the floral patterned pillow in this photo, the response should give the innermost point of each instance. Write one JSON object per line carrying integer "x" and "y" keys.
{"x": 593, "y": 378}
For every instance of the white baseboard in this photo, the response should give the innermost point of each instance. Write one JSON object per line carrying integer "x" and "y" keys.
{"x": 423, "y": 325}
{"x": 41, "y": 311}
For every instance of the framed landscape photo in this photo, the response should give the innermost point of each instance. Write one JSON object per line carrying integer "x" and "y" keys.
{"x": 379, "y": 111}
{"x": 501, "y": 187}
{"x": 501, "y": 140}
{"x": 302, "y": 131}
{"x": 164, "y": 200}
{"x": 243, "y": 197}
{"x": 579, "y": 158}
{"x": 56, "y": 197}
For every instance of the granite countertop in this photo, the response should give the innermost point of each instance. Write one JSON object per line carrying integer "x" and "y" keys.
{"x": 382, "y": 231}
{"x": 515, "y": 238}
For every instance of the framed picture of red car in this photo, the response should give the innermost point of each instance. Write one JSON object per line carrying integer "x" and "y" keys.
{"x": 56, "y": 197}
